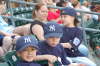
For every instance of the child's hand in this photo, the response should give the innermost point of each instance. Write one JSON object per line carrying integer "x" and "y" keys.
{"x": 66, "y": 45}
{"x": 51, "y": 58}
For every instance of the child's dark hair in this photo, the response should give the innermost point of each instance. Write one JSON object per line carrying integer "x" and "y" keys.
{"x": 76, "y": 21}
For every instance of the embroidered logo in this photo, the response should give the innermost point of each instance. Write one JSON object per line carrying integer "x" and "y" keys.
{"x": 27, "y": 40}
{"x": 76, "y": 41}
{"x": 52, "y": 28}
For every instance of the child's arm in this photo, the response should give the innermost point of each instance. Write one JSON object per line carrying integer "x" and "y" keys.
{"x": 50, "y": 58}
{"x": 4, "y": 33}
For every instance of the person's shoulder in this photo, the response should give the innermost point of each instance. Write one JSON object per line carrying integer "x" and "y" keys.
{"x": 59, "y": 46}
{"x": 37, "y": 22}
{"x": 41, "y": 42}
{"x": 78, "y": 29}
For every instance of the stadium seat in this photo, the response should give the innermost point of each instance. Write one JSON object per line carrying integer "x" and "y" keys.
{"x": 21, "y": 12}
{"x": 4, "y": 64}
{"x": 11, "y": 58}
{"x": 94, "y": 36}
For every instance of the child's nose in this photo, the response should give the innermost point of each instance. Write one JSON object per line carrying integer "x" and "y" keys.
{"x": 29, "y": 52}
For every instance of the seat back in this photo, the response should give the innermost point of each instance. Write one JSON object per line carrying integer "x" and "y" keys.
{"x": 21, "y": 12}
{"x": 11, "y": 58}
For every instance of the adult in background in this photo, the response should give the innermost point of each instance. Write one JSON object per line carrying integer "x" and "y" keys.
{"x": 7, "y": 37}
{"x": 40, "y": 13}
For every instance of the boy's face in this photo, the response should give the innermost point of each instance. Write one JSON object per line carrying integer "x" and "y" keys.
{"x": 67, "y": 19}
{"x": 53, "y": 41}
{"x": 28, "y": 54}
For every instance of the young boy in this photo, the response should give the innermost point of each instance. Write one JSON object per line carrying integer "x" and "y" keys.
{"x": 51, "y": 45}
{"x": 26, "y": 48}
{"x": 73, "y": 37}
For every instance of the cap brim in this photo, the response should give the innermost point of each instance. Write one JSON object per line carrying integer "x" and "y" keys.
{"x": 65, "y": 13}
{"x": 58, "y": 35}
{"x": 27, "y": 46}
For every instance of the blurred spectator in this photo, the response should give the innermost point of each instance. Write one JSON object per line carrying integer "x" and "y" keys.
{"x": 62, "y": 4}
{"x": 76, "y": 5}
{"x": 70, "y": 3}
{"x": 7, "y": 37}
{"x": 2, "y": 8}
{"x": 15, "y": 5}
{"x": 40, "y": 14}
{"x": 46, "y": 2}
{"x": 85, "y": 7}
{"x": 56, "y": 1}
{"x": 95, "y": 8}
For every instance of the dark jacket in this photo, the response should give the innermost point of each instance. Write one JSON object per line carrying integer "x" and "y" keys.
{"x": 74, "y": 36}
{"x": 57, "y": 51}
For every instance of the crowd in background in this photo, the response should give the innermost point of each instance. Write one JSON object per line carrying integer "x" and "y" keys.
{"x": 43, "y": 14}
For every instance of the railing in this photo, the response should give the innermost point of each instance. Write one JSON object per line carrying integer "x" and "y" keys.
{"x": 30, "y": 20}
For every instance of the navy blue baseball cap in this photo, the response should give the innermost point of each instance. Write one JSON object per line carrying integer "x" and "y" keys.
{"x": 52, "y": 29}
{"x": 26, "y": 41}
{"x": 69, "y": 11}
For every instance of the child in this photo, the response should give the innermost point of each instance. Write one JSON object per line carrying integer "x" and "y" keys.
{"x": 53, "y": 33}
{"x": 72, "y": 37}
{"x": 26, "y": 48}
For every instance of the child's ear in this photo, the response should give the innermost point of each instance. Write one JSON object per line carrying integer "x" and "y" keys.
{"x": 35, "y": 12}
{"x": 18, "y": 54}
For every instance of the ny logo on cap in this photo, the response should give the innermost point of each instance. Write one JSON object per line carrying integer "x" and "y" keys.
{"x": 27, "y": 40}
{"x": 52, "y": 28}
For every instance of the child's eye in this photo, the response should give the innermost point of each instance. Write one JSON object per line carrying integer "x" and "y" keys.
{"x": 33, "y": 49}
